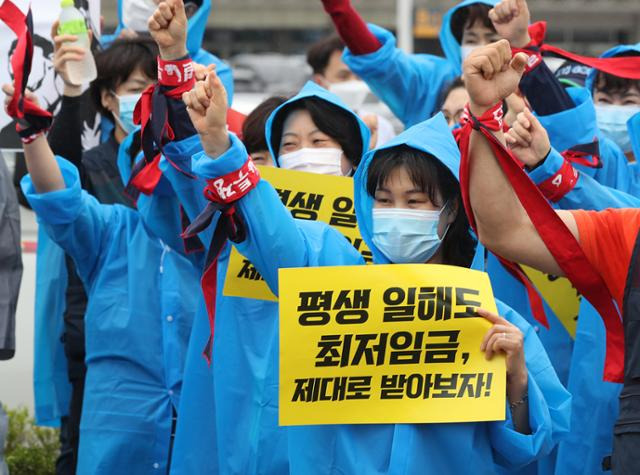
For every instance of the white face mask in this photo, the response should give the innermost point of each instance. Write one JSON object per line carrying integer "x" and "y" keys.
{"x": 612, "y": 120}
{"x": 466, "y": 50}
{"x": 323, "y": 161}
{"x": 136, "y": 14}
{"x": 352, "y": 93}
{"x": 407, "y": 236}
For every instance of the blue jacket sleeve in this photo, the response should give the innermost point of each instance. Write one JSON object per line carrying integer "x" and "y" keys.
{"x": 634, "y": 130}
{"x": 588, "y": 193}
{"x": 73, "y": 219}
{"x": 549, "y": 405}
{"x": 274, "y": 239}
{"x": 410, "y": 85}
{"x": 616, "y": 171}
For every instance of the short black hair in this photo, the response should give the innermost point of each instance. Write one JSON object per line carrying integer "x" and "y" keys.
{"x": 432, "y": 177}
{"x": 320, "y": 52}
{"x": 253, "y": 135}
{"x": 336, "y": 122}
{"x": 468, "y": 16}
{"x": 453, "y": 85}
{"x": 615, "y": 84}
{"x": 116, "y": 63}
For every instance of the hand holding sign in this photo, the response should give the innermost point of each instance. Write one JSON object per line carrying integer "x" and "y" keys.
{"x": 168, "y": 27}
{"x": 505, "y": 337}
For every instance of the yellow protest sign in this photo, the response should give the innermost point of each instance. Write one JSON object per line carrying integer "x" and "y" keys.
{"x": 560, "y": 295}
{"x": 308, "y": 196}
{"x": 386, "y": 344}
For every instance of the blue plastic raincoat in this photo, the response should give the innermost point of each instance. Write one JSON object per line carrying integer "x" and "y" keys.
{"x": 274, "y": 241}
{"x": 394, "y": 75}
{"x": 229, "y": 414}
{"x": 137, "y": 323}
{"x": 51, "y": 387}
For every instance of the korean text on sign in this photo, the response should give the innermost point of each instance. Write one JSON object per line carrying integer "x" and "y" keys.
{"x": 308, "y": 196}
{"x": 386, "y": 344}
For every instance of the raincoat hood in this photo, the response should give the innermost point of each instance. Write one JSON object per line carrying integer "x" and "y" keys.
{"x": 448, "y": 41}
{"x": 431, "y": 136}
{"x": 310, "y": 89}
{"x": 615, "y": 51}
{"x": 196, "y": 27}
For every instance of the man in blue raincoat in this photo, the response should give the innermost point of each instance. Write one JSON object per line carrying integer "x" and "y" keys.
{"x": 394, "y": 76}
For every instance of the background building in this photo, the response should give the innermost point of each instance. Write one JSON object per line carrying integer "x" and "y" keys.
{"x": 288, "y": 26}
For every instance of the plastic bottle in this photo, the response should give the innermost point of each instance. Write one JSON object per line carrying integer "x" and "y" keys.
{"x": 72, "y": 22}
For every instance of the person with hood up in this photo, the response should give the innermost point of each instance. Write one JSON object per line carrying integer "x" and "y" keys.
{"x": 139, "y": 315}
{"x": 617, "y": 103}
{"x": 228, "y": 409}
{"x": 409, "y": 210}
{"x": 599, "y": 248}
{"x": 394, "y": 75}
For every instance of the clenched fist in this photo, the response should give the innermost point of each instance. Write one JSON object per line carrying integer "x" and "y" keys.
{"x": 168, "y": 27}
{"x": 490, "y": 75}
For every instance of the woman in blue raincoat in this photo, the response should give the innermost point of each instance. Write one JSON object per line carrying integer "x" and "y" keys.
{"x": 140, "y": 312}
{"x": 426, "y": 225}
{"x": 216, "y": 407}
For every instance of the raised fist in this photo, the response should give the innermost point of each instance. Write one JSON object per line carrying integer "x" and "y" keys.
{"x": 168, "y": 27}
{"x": 511, "y": 20}
{"x": 490, "y": 75}
{"x": 207, "y": 107}
{"x": 528, "y": 139}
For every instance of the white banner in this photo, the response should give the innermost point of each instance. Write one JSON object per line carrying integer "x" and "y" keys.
{"x": 43, "y": 79}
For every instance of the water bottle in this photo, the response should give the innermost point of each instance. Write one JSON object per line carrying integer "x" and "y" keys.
{"x": 72, "y": 23}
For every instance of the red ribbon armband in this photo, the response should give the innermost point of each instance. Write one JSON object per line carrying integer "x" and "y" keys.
{"x": 175, "y": 73}
{"x": 492, "y": 119}
{"x": 233, "y": 186}
{"x": 561, "y": 183}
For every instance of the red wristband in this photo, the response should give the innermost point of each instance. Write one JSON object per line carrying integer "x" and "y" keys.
{"x": 564, "y": 180}
{"x": 175, "y": 73}
{"x": 492, "y": 119}
{"x": 233, "y": 186}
